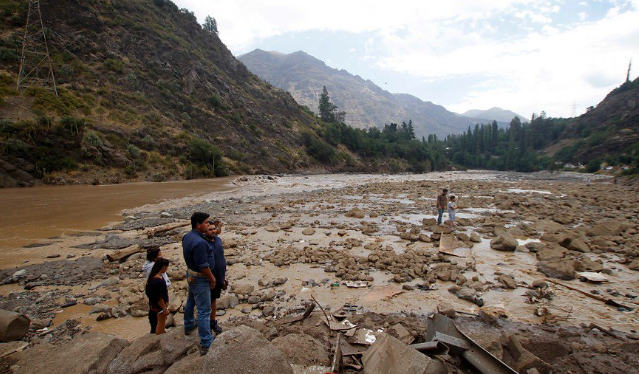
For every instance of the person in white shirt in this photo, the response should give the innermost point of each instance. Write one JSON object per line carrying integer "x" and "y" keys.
{"x": 452, "y": 208}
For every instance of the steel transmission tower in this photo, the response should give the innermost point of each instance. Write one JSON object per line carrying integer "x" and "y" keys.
{"x": 36, "y": 68}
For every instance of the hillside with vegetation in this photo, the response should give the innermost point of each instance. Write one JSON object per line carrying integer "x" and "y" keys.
{"x": 607, "y": 134}
{"x": 146, "y": 93}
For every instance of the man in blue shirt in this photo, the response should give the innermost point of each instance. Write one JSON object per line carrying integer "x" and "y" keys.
{"x": 200, "y": 280}
{"x": 219, "y": 269}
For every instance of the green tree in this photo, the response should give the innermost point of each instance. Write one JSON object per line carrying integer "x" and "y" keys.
{"x": 210, "y": 24}
{"x": 326, "y": 107}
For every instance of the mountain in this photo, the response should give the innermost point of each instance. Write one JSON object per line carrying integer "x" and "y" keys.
{"x": 145, "y": 93}
{"x": 608, "y": 132}
{"x": 495, "y": 113}
{"x": 366, "y": 104}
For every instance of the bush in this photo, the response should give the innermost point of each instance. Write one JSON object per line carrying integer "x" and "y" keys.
{"x": 73, "y": 125}
{"x": 133, "y": 152}
{"x": 207, "y": 156}
{"x": 318, "y": 149}
{"x": 16, "y": 147}
{"x": 593, "y": 166}
{"x": 91, "y": 138}
{"x": 114, "y": 65}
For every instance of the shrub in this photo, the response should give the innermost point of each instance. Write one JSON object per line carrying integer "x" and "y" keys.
{"x": 73, "y": 125}
{"x": 208, "y": 156}
{"x": 114, "y": 65}
{"x": 16, "y": 147}
{"x": 92, "y": 138}
{"x": 593, "y": 166}
{"x": 133, "y": 151}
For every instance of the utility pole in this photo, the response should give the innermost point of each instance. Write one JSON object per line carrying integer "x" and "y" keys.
{"x": 36, "y": 68}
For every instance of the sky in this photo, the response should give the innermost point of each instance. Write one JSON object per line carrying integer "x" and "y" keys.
{"x": 528, "y": 56}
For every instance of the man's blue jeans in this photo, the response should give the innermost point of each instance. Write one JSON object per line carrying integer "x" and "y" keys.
{"x": 200, "y": 297}
{"x": 440, "y": 212}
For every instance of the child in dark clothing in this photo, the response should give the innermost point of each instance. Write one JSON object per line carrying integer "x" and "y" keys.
{"x": 158, "y": 294}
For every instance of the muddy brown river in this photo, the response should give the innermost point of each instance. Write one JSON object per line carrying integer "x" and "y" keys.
{"x": 31, "y": 214}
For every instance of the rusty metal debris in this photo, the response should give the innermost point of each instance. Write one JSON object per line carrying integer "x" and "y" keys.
{"x": 442, "y": 329}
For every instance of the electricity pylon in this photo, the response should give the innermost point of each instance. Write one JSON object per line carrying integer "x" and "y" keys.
{"x": 36, "y": 68}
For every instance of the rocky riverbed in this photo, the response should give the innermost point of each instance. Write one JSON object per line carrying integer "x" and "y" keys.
{"x": 543, "y": 259}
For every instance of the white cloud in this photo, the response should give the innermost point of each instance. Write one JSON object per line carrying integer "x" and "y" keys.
{"x": 527, "y": 58}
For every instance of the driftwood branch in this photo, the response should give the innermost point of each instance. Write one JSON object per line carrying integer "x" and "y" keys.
{"x": 592, "y": 296}
{"x": 122, "y": 254}
{"x": 151, "y": 233}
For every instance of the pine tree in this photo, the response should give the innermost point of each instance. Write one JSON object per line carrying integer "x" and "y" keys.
{"x": 326, "y": 107}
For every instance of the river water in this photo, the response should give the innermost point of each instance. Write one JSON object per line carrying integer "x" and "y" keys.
{"x": 36, "y": 213}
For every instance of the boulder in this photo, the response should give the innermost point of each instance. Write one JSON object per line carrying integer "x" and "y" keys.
{"x": 13, "y": 326}
{"x": 243, "y": 289}
{"x": 244, "y": 350}
{"x": 355, "y": 213}
{"x": 447, "y": 309}
{"x": 189, "y": 364}
{"x": 578, "y": 245}
{"x": 388, "y": 355}
{"x": 548, "y": 226}
{"x": 302, "y": 349}
{"x": 608, "y": 228}
{"x": 559, "y": 268}
{"x": 174, "y": 345}
{"x": 175, "y": 304}
{"x": 308, "y": 231}
{"x": 144, "y": 354}
{"x": 507, "y": 281}
{"x": 86, "y": 353}
{"x": 504, "y": 243}
{"x": 474, "y": 237}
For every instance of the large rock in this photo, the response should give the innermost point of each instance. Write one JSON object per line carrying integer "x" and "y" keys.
{"x": 608, "y": 228}
{"x": 355, "y": 213}
{"x": 13, "y": 326}
{"x": 243, "y": 289}
{"x": 189, "y": 364}
{"x": 578, "y": 245}
{"x": 143, "y": 354}
{"x": 548, "y": 226}
{"x": 302, "y": 349}
{"x": 390, "y": 356}
{"x": 244, "y": 350}
{"x": 86, "y": 353}
{"x": 152, "y": 353}
{"x": 504, "y": 243}
{"x": 560, "y": 269}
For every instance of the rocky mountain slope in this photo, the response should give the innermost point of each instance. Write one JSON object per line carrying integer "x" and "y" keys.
{"x": 610, "y": 130}
{"x": 366, "y": 104}
{"x": 145, "y": 93}
{"x": 495, "y": 113}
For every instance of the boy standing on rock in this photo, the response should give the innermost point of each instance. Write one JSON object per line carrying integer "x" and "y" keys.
{"x": 200, "y": 280}
{"x": 441, "y": 205}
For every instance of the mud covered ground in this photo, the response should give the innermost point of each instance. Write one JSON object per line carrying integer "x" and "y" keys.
{"x": 368, "y": 247}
